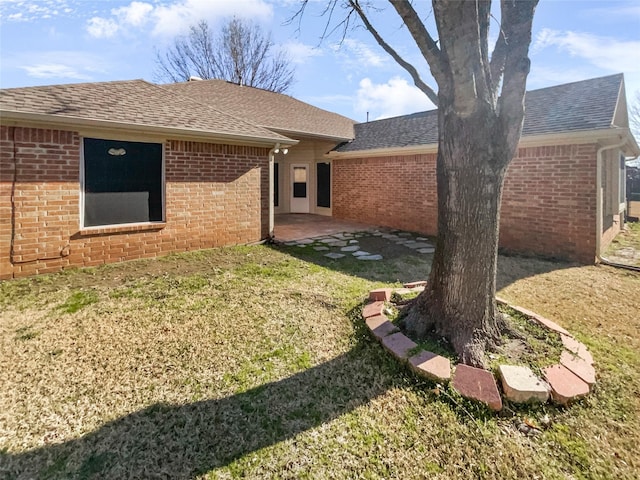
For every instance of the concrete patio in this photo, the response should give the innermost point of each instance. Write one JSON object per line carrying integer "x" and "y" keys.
{"x": 297, "y": 226}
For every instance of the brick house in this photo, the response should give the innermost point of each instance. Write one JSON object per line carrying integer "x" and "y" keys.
{"x": 104, "y": 172}
{"x": 575, "y": 137}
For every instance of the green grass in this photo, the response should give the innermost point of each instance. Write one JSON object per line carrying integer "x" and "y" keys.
{"x": 253, "y": 362}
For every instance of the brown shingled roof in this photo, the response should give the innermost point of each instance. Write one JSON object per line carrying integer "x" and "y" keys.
{"x": 573, "y": 107}
{"x": 274, "y": 111}
{"x": 132, "y": 102}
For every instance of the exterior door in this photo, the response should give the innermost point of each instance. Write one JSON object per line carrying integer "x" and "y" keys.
{"x": 299, "y": 188}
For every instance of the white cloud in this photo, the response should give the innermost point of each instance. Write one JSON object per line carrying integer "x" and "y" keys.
{"x": 135, "y": 14}
{"x": 604, "y": 52}
{"x": 26, "y": 11}
{"x": 390, "y": 99}
{"x": 359, "y": 53}
{"x": 173, "y": 18}
{"x": 55, "y": 70}
{"x": 99, "y": 27}
{"x": 300, "y": 52}
{"x": 68, "y": 65}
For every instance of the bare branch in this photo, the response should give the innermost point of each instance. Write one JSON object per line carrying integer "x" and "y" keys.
{"x": 241, "y": 53}
{"x": 433, "y": 96}
{"x": 425, "y": 42}
{"x": 517, "y": 19}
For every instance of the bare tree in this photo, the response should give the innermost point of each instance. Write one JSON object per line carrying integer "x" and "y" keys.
{"x": 241, "y": 53}
{"x": 480, "y": 98}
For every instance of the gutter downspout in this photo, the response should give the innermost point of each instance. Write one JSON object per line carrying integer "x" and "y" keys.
{"x": 272, "y": 157}
{"x": 599, "y": 205}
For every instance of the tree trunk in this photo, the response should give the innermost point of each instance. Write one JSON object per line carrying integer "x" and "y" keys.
{"x": 459, "y": 300}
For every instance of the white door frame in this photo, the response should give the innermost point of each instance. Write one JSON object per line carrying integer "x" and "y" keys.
{"x": 299, "y": 204}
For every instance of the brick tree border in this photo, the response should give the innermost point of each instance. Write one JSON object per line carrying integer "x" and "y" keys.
{"x": 563, "y": 383}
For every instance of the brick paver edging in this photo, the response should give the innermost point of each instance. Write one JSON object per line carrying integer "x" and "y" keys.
{"x": 571, "y": 379}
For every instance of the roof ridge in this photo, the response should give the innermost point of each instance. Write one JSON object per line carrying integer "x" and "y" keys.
{"x": 259, "y": 89}
{"x": 78, "y": 84}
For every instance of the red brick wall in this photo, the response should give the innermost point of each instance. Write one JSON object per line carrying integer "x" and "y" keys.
{"x": 548, "y": 205}
{"x": 549, "y": 202}
{"x": 215, "y": 195}
{"x": 397, "y": 192}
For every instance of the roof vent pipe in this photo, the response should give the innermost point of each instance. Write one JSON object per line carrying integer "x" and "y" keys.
{"x": 193, "y": 78}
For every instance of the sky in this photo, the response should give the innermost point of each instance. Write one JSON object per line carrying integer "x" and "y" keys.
{"x": 46, "y": 42}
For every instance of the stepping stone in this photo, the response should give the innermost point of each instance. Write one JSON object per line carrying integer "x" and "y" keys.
{"x": 302, "y": 245}
{"x": 376, "y": 234}
{"x": 305, "y": 241}
{"x": 399, "y": 345}
{"x": 419, "y": 245}
{"x": 426, "y": 250}
{"x": 328, "y": 240}
{"x": 320, "y": 249}
{"x": 422, "y": 239}
{"x": 380, "y": 326}
{"x": 372, "y": 309}
{"x": 334, "y": 256}
{"x": 579, "y": 367}
{"x": 337, "y": 243}
{"x": 565, "y": 385}
{"x": 370, "y": 257}
{"x": 404, "y": 234}
{"x": 432, "y": 366}
{"x": 353, "y": 241}
{"x": 350, "y": 248}
{"x": 477, "y": 384}
{"x": 521, "y": 385}
{"x": 291, "y": 244}
{"x": 380, "y": 295}
{"x": 576, "y": 347}
{"x": 360, "y": 253}
{"x": 407, "y": 242}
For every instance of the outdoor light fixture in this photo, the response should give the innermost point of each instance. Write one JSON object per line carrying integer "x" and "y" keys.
{"x": 277, "y": 150}
{"x": 117, "y": 152}
{"x": 285, "y": 151}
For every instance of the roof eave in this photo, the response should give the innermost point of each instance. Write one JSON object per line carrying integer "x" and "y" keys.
{"x": 172, "y": 132}
{"x": 562, "y": 138}
{"x": 313, "y": 135}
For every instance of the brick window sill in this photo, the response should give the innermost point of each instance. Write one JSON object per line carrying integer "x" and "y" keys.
{"x": 133, "y": 228}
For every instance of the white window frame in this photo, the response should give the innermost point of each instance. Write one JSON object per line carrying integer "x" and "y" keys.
{"x": 82, "y": 185}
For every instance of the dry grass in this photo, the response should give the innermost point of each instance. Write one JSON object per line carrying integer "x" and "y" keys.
{"x": 625, "y": 248}
{"x": 252, "y": 363}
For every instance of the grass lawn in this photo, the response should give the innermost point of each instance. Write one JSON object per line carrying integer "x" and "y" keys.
{"x": 253, "y": 362}
{"x": 625, "y": 248}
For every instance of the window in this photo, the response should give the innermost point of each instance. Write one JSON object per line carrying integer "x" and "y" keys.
{"x": 622, "y": 181}
{"x": 276, "y": 184}
{"x": 323, "y": 179}
{"x": 122, "y": 182}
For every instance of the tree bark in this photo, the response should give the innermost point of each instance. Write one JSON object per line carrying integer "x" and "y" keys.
{"x": 478, "y": 136}
{"x": 459, "y": 301}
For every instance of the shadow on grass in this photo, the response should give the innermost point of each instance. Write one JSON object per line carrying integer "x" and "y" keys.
{"x": 401, "y": 264}
{"x": 182, "y": 441}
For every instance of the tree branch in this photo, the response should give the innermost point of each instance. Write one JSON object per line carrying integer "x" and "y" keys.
{"x": 417, "y": 80}
{"x": 517, "y": 20}
{"x": 425, "y": 42}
